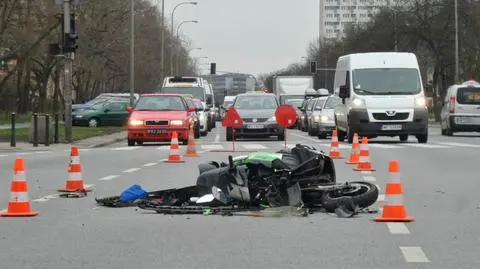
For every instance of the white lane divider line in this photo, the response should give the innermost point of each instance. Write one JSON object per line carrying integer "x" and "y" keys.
{"x": 366, "y": 172}
{"x": 427, "y": 146}
{"x": 217, "y": 138}
{"x": 211, "y": 147}
{"x": 369, "y": 178}
{"x": 131, "y": 170}
{"x": 414, "y": 255}
{"x": 88, "y": 186}
{"x": 149, "y": 164}
{"x": 384, "y": 146}
{"x": 453, "y": 144}
{"x": 398, "y": 228}
{"x": 110, "y": 177}
{"x": 166, "y": 147}
{"x": 381, "y": 198}
{"x": 126, "y": 148}
{"x": 45, "y": 198}
{"x": 3, "y": 156}
{"x": 254, "y": 146}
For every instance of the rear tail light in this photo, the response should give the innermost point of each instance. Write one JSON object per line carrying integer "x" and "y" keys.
{"x": 452, "y": 104}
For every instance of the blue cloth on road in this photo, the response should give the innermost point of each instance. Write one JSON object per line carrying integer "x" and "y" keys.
{"x": 133, "y": 193}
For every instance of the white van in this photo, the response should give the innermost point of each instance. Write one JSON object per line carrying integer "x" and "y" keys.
{"x": 461, "y": 108}
{"x": 382, "y": 95}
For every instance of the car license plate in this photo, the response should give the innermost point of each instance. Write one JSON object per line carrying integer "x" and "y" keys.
{"x": 156, "y": 131}
{"x": 392, "y": 127}
{"x": 255, "y": 126}
{"x": 467, "y": 120}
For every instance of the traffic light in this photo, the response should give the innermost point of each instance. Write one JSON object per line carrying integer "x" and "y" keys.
{"x": 313, "y": 67}
{"x": 70, "y": 43}
{"x": 213, "y": 68}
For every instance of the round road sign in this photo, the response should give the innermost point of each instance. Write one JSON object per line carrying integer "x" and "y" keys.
{"x": 286, "y": 116}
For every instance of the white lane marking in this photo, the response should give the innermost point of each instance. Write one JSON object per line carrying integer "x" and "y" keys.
{"x": 427, "y": 146}
{"x": 384, "y": 146}
{"x": 131, "y": 170}
{"x": 414, "y": 254}
{"x": 125, "y": 148}
{"x": 149, "y": 164}
{"x": 110, "y": 177}
{"x": 24, "y": 153}
{"x": 217, "y": 138}
{"x": 201, "y": 151}
{"x": 42, "y": 152}
{"x": 459, "y": 144}
{"x": 366, "y": 172}
{"x": 291, "y": 146}
{"x": 95, "y": 208}
{"x": 88, "y": 186}
{"x": 211, "y": 147}
{"x": 381, "y": 198}
{"x": 166, "y": 147}
{"x": 3, "y": 156}
{"x": 398, "y": 228}
{"x": 369, "y": 178}
{"x": 45, "y": 198}
{"x": 254, "y": 146}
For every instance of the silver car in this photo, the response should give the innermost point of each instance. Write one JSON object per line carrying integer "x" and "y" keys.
{"x": 323, "y": 118}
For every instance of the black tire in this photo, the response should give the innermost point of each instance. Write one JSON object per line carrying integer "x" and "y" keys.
{"x": 185, "y": 142}
{"x": 423, "y": 138}
{"x": 403, "y": 138}
{"x": 131, "y": 143}
{"x": 341, "y": 135}
{"x": 281, "y": 137}
{"x": 364, "y": 194}
{"x": 204, "y": 133}
{"x": 322, "y": 135}
{"x": 139, "y": 143}
{"x": 197, "y": 132}
{"x": 228, "y": 134}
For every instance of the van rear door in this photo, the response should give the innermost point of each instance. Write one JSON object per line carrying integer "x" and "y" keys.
{"x": 468, "y": 101}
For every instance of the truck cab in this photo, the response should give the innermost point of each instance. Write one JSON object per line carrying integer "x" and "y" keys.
{"x": 382, "y": 95}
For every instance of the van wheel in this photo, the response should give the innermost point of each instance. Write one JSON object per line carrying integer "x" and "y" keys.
{"x": 448, "y": 132}
{"x": 341, "y": 135}
{"x": 131, "y": 143}
{"x": 403, "y": 138}
{"x": 423, "y": 138}
{"x": 349, "y": 135}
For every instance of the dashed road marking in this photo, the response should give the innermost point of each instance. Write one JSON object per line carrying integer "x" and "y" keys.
{"x": 149, "y": 164}
{"x": 126, "y": 148}
{"x": 211, "y": 147}
{"x": 369, "y": 178}
{"x": 414, "y": 255}
{"x": 254, "y": 146}
{"x": 131, "y": 170}
{"x": 427, "y": 146}
{"x": 166, "y": 147}
{"x": 45, "y": 198}
{"x": 384, "y": 146}
{"x": 397, "y": 228}
{"x": 453, "y": 144}
{"x": 108, "y": 177}
{"x": 217, "y": 137}
{"x": 381, "y": 198}
{"x": 88, "y": 186}
{"x": 366, "y": 172}
{"x": 3, "y": 156}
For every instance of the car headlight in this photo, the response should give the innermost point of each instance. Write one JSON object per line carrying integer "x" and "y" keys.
{"x": 303, "y": 117}
{"x": 316, "y": 118}
{"x": 420, "y": 101}
{"x": 273, "y": 118}
{"x": 135, "y": 122}
{"x": 201, "y": 117}
{"x": 324, "y": 118}
{"x": 212, "y": 112}
{"x": 176, "y": 122}
{"x": 358, "y": 103}
{"x": 78, "y": 116}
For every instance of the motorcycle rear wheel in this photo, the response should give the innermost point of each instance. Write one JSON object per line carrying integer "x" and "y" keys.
{"x": 363, "y": 194}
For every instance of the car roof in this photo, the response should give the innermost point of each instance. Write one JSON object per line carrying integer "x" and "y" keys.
{"x": 161, "y": 94}
{"x": 256, "y": 94}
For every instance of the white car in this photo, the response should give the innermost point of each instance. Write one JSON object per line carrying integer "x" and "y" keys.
{"x": 202, "y": 113}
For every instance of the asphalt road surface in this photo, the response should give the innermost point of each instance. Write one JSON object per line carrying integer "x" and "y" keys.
{"x": 441, "y": 191}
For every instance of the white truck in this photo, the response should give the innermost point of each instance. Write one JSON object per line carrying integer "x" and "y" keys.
{"x": 290, "y": 89}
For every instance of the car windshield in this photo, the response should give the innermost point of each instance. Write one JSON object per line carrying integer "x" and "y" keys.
{"x": 332, "y": 103}
{"x": 386, "y": 81}
{"x": 294, "y": 102}
{"x": 160, "y": 103}
{"x": 287, "y": 99}
{"x": 255, "y": 102}
{"x": 196, "y": 92}
{"x": 319, "y": 104}
{"x": 468, "y": 96}
{"x": 198, "y": 104}
{"x": 227, "y": 103}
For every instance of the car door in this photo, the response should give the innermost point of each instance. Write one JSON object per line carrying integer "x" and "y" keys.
{"x": 114, "y": 114}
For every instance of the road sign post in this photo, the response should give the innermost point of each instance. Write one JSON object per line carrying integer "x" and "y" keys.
{"x": 285, "y": 116}
{"x": 232, "y": 120}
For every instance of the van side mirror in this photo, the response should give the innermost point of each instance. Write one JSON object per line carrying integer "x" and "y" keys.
{"x": 343, "y": 92}
{"x": 129, "y": 109}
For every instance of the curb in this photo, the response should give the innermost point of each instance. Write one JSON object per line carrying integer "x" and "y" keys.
{"x": 107, "y": 143}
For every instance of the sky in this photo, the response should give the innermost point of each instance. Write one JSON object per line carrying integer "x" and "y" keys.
{"x": 247, "y": 36}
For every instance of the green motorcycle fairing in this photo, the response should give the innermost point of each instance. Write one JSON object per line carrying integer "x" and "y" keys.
{"x": 265, "y": 158}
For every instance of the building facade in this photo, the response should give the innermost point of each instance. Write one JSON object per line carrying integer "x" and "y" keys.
{"x": 337, "y": 15}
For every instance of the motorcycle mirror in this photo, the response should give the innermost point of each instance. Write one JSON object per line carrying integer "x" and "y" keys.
{"x": 205, "y": 199}
{"x": 219, "y": 195}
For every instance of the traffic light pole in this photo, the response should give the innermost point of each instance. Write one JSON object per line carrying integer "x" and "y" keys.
{"x": 68, "y": 75}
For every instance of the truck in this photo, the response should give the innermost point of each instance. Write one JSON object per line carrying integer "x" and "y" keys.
{"x": 292, "y": 89}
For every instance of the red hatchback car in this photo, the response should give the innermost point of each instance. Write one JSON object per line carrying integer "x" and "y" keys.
{"x": 156, "y": 116}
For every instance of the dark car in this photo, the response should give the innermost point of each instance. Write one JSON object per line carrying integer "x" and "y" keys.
{"x": 110, "y": 113}
{"x": 257, "y": 110}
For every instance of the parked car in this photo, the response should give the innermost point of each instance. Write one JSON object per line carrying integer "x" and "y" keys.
{"x": 257, "y": 110}
{"x": 156, "y": 116}
{"x": 110, "y": 113}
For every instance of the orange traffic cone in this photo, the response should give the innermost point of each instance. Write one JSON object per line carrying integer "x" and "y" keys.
{"x": 19, "y": 205}
{"x": 355, "y": 152}
{"x": 334, "y": 153}
{"x": 364, "y": 163}
{"x": 394, "y": 210}
{"x": 74, "y": 181}
{"x": 174, "y": 155}
{"x": 191, "y": 148}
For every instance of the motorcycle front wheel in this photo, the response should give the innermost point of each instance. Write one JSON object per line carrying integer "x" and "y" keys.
{"x": 363, "y": 194}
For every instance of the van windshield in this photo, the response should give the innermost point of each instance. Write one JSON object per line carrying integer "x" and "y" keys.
{"x": 196, "y": 92}
{"x": 379, "y": 81}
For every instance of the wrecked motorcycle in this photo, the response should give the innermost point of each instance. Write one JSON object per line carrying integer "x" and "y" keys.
{"x": 302, "y": 177}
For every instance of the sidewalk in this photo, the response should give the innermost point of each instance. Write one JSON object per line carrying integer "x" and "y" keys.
{"x": 92, "y": 142}
{"x": 17, "y": 126}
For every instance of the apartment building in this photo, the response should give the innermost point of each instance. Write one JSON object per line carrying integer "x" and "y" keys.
{"x": 336, "y": 15}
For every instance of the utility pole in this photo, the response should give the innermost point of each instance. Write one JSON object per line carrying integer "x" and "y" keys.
{"x": 162, "y": 63}
{"x": 132, "y": 52}
{"x": 457, "y": 68}
{"x": 68, "y": 74}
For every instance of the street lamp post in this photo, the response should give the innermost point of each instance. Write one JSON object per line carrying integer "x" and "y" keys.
{"x": 172, "y": 25}
{"x": 177, "y": 35}
{"x": 132, "y": 51}
{"x": 457, "y": 68}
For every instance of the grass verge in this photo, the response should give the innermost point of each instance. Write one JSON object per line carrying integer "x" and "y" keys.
{"x": 78, "y": 133}
{"x": 5, "y": 118}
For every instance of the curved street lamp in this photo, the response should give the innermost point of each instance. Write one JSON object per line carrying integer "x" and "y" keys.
{"x": 173, "y": 25}
{"x": 177, "y": 35}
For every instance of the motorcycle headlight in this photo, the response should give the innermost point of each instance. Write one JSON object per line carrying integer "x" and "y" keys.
{"x": 176, "y": 122}
{"x": 273, "y": 118}
{"x": 134, "y": 122}
{"x": 420, "y": 101}
{"x": 358, "y": 103}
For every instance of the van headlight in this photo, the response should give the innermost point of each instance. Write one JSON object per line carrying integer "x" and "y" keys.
{"x": 324, "y": 118}
{"x": 420, "y": 101}
{"x": 358, "y": 103}
{"x": 273, "y": 118}
{"x": 176, "y": 122}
